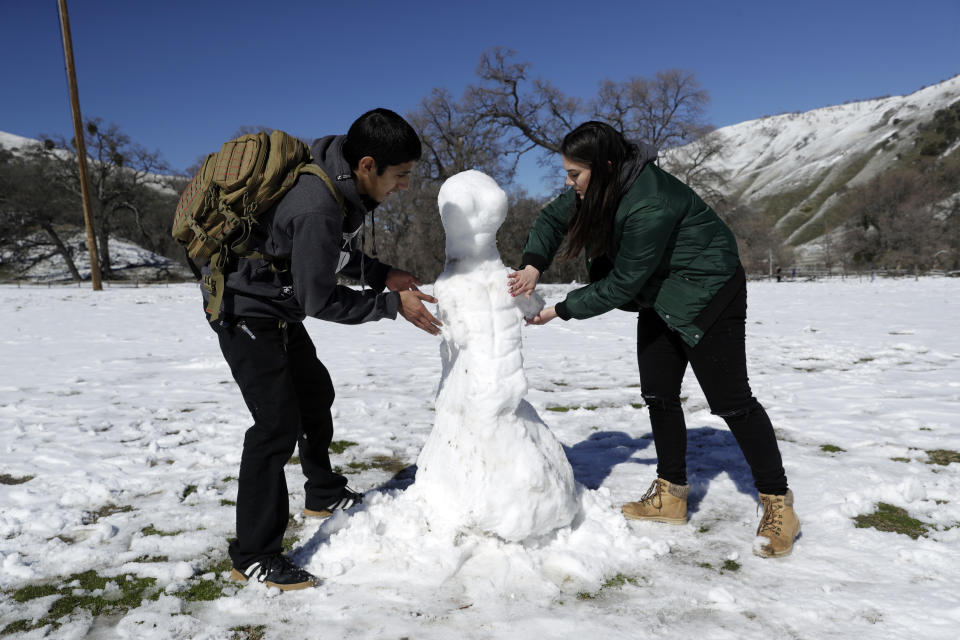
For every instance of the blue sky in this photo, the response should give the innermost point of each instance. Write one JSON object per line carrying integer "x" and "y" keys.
{"x": 181, "y": 76}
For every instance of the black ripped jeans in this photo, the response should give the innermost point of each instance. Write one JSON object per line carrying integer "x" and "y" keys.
{"x": 720, "y": 364}
{"x": 289, "y": 394}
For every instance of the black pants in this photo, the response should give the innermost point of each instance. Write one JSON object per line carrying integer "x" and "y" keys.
{"x": 720, "y": 364}
{"x": 289, "y": 394}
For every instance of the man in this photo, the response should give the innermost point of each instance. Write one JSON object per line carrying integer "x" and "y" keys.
{"x": 287, "y": 389}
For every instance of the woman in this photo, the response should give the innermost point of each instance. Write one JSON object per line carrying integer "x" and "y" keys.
{"x": 653, "y": 246}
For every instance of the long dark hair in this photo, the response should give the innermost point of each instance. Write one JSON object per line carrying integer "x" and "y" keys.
{"x": 605, "y": 151}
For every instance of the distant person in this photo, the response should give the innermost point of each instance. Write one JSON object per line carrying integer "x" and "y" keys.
{"x": 779, "y": 274}
{"x": 274, "y": 362}
{"x": 655, "y": 247}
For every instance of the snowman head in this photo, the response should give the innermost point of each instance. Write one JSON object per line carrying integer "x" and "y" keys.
{"x": 472, "y": 208}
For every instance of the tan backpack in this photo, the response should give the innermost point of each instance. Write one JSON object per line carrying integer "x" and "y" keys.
{"x": 219, "y": 207}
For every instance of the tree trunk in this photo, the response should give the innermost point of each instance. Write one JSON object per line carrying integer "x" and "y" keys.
{"x": 103, "y": 248}
{"x": 63, "y": 250}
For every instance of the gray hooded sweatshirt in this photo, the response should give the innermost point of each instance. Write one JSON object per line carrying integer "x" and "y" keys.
{"x": 308, "y": 230}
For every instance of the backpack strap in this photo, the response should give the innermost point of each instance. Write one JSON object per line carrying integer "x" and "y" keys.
{"x": 315, "y": 170}
{"x": 215, "y": 281}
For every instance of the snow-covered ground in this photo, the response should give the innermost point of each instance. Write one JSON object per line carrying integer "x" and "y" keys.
{"x": 120, "y": 410}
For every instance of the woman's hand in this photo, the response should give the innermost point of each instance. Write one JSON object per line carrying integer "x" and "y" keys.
{"x": 523, "y": 281}
{"x": 546, "y": 315}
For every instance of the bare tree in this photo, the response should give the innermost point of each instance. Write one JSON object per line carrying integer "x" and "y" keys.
{"x": 35, "y": 211}
{"x": 666, "y": 111}
{"x": 120, "y": 171}
{"x": 758, "y": 242}
{"x": 692, "y": 164}
{"x": 894, "y": 221}
{"x": 528, "y": 119}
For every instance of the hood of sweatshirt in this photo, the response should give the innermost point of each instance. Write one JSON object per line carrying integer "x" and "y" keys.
{"x": 643, "y": 154}
{"x": 328, "y": 155}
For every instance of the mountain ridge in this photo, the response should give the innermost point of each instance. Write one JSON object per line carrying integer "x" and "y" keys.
{"x": 795, "y": 165}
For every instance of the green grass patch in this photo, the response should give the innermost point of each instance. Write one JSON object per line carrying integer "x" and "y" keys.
{"x": 386, "y": 463}
{"x": 17, "y": 626}
{"x": 146, "y": 559}
{"x": 619, "y": 580}
{"x": 588, "y": 407}
{"x": 832, "y": 448}
{"x": 189, "y": 490}
{"x": 942, "y": 456}
{"x": 898, "y": 459}
{"x": 731, "y": 565}
{"x": 151, "y": 530}
{"x": 106, "y": 511}
{"x": 728, "y": 565}
{"x": 294, "y": 460}
{"x": 202, "y": 591}
{"x": 96, "y": 594}
{"x": 30, "y": 592}
{"x": 887, "y": 517}
{"x": 637, "y": 405}
{"x": 616, "y": 582}
{"x": 6, "y": 478}
{"x": 248, "y": 632}
{"x": 217, "y": 566}
{"x": 227, "y": 503}
{"x": 339, "y": 446}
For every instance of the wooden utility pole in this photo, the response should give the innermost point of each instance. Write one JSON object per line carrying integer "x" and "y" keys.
{"x": 81, "y": 146}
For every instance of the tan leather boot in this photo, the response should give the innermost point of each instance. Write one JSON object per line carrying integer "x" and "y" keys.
{"x": 663, "y": 502}
{"x": 779, "y": 525}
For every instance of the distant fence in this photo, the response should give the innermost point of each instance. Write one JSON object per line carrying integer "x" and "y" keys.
{"x": 81, "y": 284}
{"x": 798, "y": 274}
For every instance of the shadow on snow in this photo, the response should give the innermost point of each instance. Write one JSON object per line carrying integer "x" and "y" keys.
{"x": 710, "y": 452}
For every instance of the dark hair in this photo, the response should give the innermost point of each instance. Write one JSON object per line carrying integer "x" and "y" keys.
{"x": 384, "y": 136}
{"x": 605, "y": 151}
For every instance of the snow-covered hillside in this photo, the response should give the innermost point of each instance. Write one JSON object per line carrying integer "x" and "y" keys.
{"x": 127, "y": 259}
{"x": 795, "y": 163}
{"x": 11, "y": 141}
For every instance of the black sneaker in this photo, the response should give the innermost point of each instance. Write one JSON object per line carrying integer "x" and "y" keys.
{"x": 276, "y": 571}
{"x": 348, "y": 498}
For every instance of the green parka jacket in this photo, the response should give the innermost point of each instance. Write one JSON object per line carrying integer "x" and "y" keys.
{"x": 669, "y": 251}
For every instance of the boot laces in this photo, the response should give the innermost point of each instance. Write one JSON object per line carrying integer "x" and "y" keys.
{"x": 772, "y": 519}
{"x": 652, "y": 495}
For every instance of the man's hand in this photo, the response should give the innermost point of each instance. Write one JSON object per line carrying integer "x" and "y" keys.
{"x": 411, "y": 308}
{"x": 523, "y": 281}
{"x": 546, "y": 315}
{"x": 400, "y": 280}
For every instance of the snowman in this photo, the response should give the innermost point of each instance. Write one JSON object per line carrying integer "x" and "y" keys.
{"x": 490, "y": 464}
